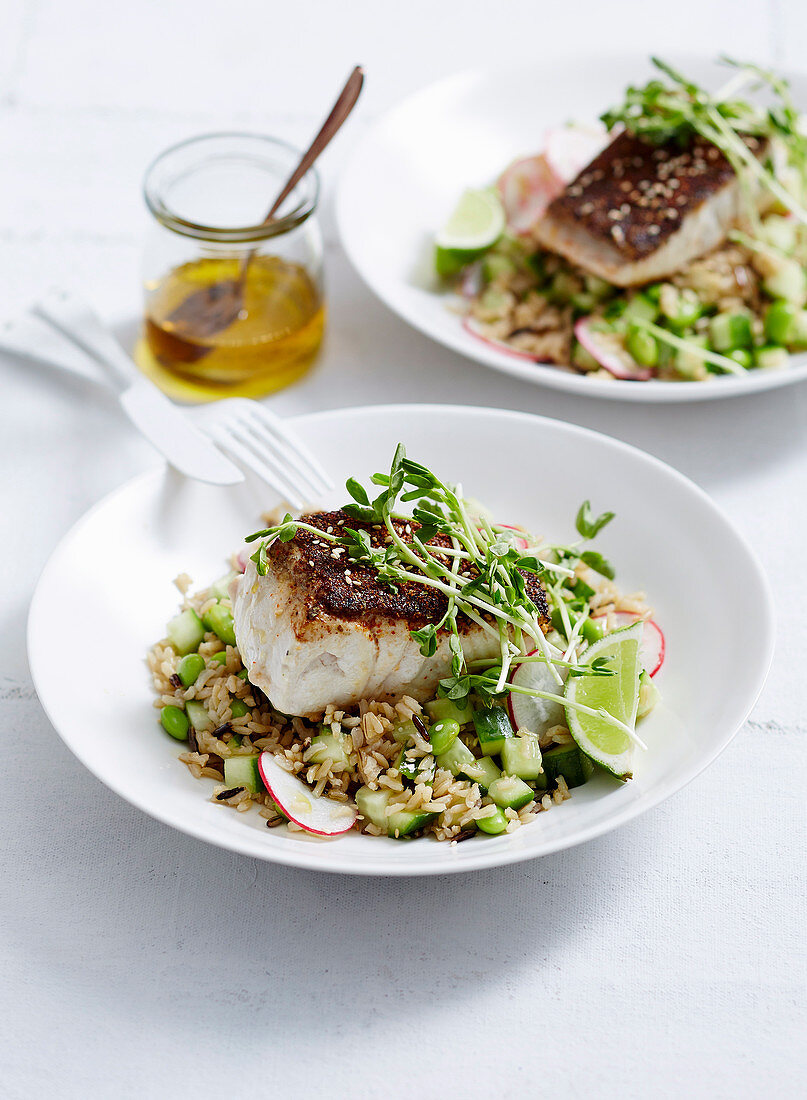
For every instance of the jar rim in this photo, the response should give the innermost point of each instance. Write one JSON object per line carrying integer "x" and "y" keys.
{"x": 173, "y": 221}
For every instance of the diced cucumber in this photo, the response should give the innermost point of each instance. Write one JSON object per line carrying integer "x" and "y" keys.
{"x": 372, "y": 805}
{"x": 405, "y": 822}
{"x": 415, "y": 771}
{"x": 186, "y": 632}
{"x": 404, "y": 732}
{"x": 788, "y": 282}
{"x": 325, "y": 746}
{"x": 780, "y": 232}
{"x": 493, "y": 823}
{"x": 799, "y": 336}
{"x": 219, "y": 619}
{"x": 242, "y": 771}
{"x": 492, "y": 727}
{"x": 640, "y": 308}
{"x": 456, "y": 758}
{"x": 730, "y": 330}
{"x": 568, "y": 761}
{"x": 439, "y": 709}
{"x": 598, "y": 287}
{"x": 521, "y": 756}
{"x": 688, "y": 363}
{"x": 649, "y": 695}
{"x": 198, "y": 716}
{"x": 582, "y": 358}
{"x": 460, "y": 761}
{"x": 771, "y": 358}
{"x": 221, "y": 588}
{"x": 495, "y": 266}
{"x": 510, "y": 792}
{"x": 563, "y": 287}
{"x": 482, "y": 771}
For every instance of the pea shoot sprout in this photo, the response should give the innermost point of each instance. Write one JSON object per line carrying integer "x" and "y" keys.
{"x": 675, "y": 111}
{"x": 479, "y": 569}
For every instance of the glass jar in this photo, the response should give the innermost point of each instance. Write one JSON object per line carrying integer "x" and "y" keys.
{"x": 232, "y": 306}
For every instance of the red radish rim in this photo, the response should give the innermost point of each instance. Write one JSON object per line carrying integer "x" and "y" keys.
{"x": 510, "y": 714}
{"x": 653, "y": 625}
{"x": 276, "y": 800}
{"x": 467, "y": 324}
{"x": 518, "y": 533}
{"x": 614, "y": 366}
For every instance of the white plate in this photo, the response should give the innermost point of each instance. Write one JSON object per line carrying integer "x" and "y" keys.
{"x": 406, "y": 175}
{"x": 107, "y": 593}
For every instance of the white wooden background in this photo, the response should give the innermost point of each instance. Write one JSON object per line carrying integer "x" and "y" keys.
{"x": 664, "y": 960}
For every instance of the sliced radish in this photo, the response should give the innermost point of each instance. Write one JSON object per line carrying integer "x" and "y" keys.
{"x": 471, "y": 326}
{"x": 527, "y": 712}
{"x": 653, "y": 643}
{"x": 569, "y": 149}
{"x": 314, "y": 813}
{"x": 527, "y": 187}
{"x": 241, "y": 558}
{"x": 609, "y": 351}
{"x": 471, "y": 284}
{"x": 518, "y": 540}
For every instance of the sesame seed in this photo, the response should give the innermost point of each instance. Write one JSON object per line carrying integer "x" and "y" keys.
{"x": 653, "y": 230}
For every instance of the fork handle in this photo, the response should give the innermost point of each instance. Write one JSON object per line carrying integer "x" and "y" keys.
{"x": 79, "y": 324}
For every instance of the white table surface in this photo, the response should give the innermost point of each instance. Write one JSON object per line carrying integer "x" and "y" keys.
{"x": 666, "y": 959}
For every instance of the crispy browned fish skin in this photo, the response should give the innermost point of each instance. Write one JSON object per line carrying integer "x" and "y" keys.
{"x": 339, "y": 589}
{"x": 632, "y": 198}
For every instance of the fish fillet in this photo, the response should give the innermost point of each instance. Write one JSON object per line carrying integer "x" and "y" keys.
{"x": 317, "y": 630}
{"x": 640, "y": 212}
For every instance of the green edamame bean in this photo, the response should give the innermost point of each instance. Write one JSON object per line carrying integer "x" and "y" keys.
{"x": 780, "y": 322}
{"x": 742, "y": 356}
{"x": 190, "y": 668}
{"x": 219, "y": 658}
{"x": 175, "y": 722}
{"x": 238, "y": 708}
{"x": 592, "y": 631}
{"x": 642, "y": 346}
{"x": 443, "y": 734}
{"x": 494, "y": 824}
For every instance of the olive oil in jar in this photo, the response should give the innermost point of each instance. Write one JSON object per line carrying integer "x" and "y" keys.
{"x": 273, "y": 340}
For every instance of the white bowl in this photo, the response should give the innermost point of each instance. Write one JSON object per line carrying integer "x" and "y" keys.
{"x": 107, "y": 592}
{"x": 406, "y": 175}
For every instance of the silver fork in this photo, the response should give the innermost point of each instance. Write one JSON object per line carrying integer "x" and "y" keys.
{"x": 251, "y": 434}
{"x": 257, "y": 438}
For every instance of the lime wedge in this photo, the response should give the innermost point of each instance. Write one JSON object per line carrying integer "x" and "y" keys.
{"x": 476, "y": 224}
{"x": 606, "y": 744}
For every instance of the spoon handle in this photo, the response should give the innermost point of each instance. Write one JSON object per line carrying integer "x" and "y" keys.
{"x": 341, "y": 109}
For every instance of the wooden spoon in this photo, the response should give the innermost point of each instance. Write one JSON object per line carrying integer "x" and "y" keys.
{"x": 214, "y": 308}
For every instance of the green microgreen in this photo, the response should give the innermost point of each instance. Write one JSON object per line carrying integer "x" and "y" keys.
{"x": 675, "y": 109}
{"x": 476, "y": 565}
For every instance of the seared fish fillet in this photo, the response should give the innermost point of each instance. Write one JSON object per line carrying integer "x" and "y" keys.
{"x": 317, "y": 630}
{"x": 640, "y": 212}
